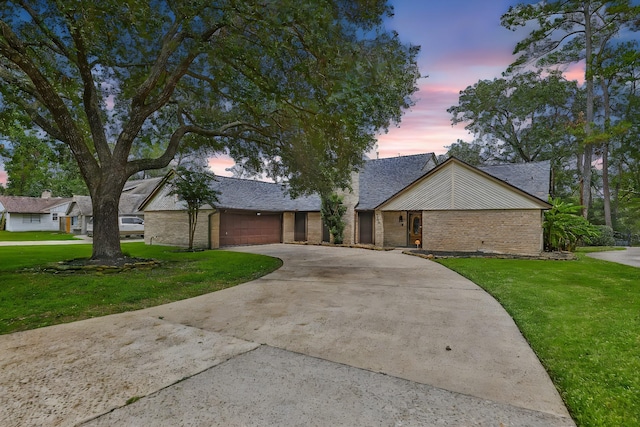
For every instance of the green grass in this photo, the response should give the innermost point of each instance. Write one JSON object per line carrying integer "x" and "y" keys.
{"x": 30, "y": 236}
{"x": 590, "y": 249}
{"x": 31, "y": 298}
{"x": 582, "y": 318}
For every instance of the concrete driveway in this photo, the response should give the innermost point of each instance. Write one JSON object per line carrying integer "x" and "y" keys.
{"x": 630, "y": 256}
{"x": 337, "y": 336}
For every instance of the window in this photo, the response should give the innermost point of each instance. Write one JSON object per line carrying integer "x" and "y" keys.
{"x": 31, "y": 218}
{"x": 54, "y": 216}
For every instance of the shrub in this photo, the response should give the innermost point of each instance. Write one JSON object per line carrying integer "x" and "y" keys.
{"x": 605, "y": 238}
{"x": 564, "y": 227}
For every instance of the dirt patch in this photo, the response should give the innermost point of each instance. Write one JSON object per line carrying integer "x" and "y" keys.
{"x": 85, "y": 265}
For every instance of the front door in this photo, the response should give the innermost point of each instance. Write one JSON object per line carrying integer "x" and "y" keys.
{"x": 415, "y": 229}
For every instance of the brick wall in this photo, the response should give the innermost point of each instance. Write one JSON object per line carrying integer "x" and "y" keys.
{"x": 501, "y": 231}
{"x": 314, "y": 227}
{"x": 172, "y": 228}
{"x": 288, "y": 224}
{"x": 214, "y": 229}
{"x": 395, "y": 233}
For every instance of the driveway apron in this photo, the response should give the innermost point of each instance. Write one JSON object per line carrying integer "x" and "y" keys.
{"x": 337, "y": 336}
{"x": 630, "y": 256}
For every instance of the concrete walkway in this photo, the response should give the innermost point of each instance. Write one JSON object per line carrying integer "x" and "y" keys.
{"x": 630, "y": 256}
{"x": 337, "y": 336}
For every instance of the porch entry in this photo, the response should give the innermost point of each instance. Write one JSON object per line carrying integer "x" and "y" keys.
{"x": 415, "y": 229}
{"x": 365, "y": 226}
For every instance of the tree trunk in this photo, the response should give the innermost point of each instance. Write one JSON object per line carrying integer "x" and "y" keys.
{"x": 605, "y": 185}
{"x": 605, "y": 153}
{"x": 193, "y": 220}
{"x": 585, "y": 193}
{"x": 106, "y": 232}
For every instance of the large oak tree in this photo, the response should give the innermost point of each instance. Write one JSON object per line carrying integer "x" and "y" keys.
{"x": 303, "y": 85}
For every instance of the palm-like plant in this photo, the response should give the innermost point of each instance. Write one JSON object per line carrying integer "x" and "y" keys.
{"x": 564, "y": 227}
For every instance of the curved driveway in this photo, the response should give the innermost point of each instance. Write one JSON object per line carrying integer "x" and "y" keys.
{"x": 337, "y": 336}
{"x": 630, "y": 256}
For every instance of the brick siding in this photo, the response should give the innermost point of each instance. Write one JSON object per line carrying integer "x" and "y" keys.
{"x": 500, "y": 231}
{"x": 172, "y": 228}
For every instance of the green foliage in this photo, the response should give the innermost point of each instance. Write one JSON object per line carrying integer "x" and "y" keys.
{"x": 471, "y": 153}
{"x": 563, "y": 227}
{"x": 195, "y": 187}
{"x": 569, "y": 31}
{"x": 32, "y": 298}
{"x": 519, "y": 118}
{"x": 332, "y": 211}
{"x": 34, "y": 164}
{"x": 30, "y": 236}
{"x": 300, "y": 90}
{"x": 581, "y": 319}
{"x": 605, "y": 237}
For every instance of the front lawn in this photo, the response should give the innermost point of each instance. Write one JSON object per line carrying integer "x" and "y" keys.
{"x": 582, "y": 318}
{"x": 31, "y": 298}
{"x": 30, "y": 236}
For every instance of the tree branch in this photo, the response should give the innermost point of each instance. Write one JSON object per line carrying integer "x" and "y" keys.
{"x": 12, "y": 48}
{"x": 90, "y": 98}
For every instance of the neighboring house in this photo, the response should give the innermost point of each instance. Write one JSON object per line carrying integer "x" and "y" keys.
{"x": 80, "y": 211}
{"x": 33, "y": 213}
{"x": 406, "y": 201}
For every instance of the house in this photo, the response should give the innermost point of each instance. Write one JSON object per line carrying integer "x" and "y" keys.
{"x": 80, "y": 211}
{"x": 406, "y": 201}
{"x": 32, "y": 213}
{"x": 455, "y": 207}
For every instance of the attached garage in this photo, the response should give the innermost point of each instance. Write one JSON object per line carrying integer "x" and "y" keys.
{"x": 250, "y": 228}
{"x": 247, "y": 213}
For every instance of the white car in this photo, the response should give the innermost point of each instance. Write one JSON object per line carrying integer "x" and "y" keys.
{"x": 128, "y": 225}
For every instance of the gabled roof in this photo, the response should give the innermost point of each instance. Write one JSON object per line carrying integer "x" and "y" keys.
{"x": 382, "y": 178}
{"x": 141, "y": 186}
{"x": 457, "y": 185}
{"x": 128, "y": 205}
{"x": 239, "y": 194}
{"x": 534, "y": 178}
{"x": 18, "y": 204}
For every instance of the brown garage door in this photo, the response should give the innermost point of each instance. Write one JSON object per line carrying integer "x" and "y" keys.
{"x": 250, "y": 228}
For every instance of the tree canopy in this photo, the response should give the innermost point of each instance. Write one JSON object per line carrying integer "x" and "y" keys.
{"x": 305, "y": 86}
{"x": 521, "y": 117}
{"x": 568, "y": 31}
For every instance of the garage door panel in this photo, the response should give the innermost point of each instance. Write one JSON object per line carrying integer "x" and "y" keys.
{"x": 250, "y": 229}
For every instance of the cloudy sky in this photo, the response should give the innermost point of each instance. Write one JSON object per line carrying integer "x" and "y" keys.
{"x": 462, "y": 42}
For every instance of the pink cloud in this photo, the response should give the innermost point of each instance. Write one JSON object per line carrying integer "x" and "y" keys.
{"x": 427, "y": 126}
{"x": 219, "y": 163}
{"x": 575, "y": 72}
{"x": 3, "y": 178}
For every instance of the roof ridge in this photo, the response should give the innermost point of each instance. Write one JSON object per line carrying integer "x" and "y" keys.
{"x": 401, "y": 157}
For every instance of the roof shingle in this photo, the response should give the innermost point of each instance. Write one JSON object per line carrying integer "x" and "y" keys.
{"x": 19, "y": 204}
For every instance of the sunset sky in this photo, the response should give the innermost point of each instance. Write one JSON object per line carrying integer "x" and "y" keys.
{"x": 462, "y": 42}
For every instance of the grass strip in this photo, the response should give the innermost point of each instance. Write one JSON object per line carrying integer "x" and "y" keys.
{"x": 582, "y": 318}
{"x": 33, "y": 236}
{"x": 32, "y": 298}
